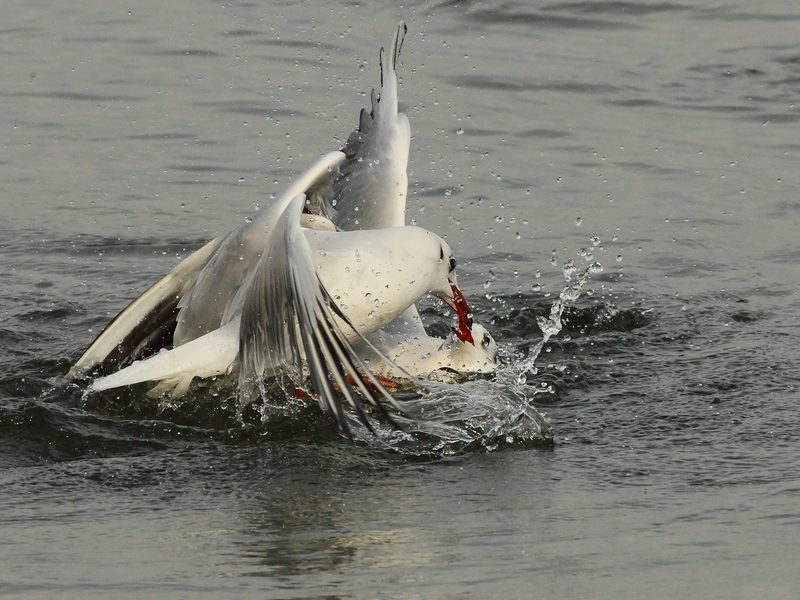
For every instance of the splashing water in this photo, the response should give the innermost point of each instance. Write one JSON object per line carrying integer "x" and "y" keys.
{"x": 551, "y": 325}
{"x": 443, "y": 420}
{"x": 487, "y": 414}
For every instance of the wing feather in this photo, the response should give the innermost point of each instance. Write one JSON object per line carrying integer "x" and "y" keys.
{"x": 125, "y": 339}
{"x": 218, "y": 295}
{"x": 288, "y": 327}
{"x": 370, "y": 192}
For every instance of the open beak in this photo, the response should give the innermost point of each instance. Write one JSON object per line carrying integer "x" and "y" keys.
{"x": 459, "y": 304}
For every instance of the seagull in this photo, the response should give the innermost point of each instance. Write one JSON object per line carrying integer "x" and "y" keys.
{"x": 320, "y": 283}
{"x": 435, "y": 358}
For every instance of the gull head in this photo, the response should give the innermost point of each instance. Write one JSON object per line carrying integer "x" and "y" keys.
{"x": 477, "y": 357}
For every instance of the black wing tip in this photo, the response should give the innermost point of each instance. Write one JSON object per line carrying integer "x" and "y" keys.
{"x": 397, "y": 44}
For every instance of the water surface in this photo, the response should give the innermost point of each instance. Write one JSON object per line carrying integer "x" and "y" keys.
{"x": 668, "y": 463}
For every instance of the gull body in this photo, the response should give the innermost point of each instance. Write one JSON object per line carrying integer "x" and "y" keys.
{"x": 373, "y": 276}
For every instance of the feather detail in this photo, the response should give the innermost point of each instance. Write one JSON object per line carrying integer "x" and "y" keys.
{"x": 288, "y": 327}
{"x": 370, "y": 192}
{"x": 146, "y": 325}
{"x": 220, "y": 288}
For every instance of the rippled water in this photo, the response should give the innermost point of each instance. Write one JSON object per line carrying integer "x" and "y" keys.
{"x": 658, "y": 139}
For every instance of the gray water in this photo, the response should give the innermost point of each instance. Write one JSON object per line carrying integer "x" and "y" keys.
{"x": 667, "y": 464}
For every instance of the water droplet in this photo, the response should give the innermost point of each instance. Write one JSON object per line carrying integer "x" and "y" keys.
{"x": 569, "y": 269}
{"x": 578, "y": 221}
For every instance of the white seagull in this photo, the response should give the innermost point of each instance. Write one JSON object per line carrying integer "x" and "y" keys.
{"x": 319, "y": 286}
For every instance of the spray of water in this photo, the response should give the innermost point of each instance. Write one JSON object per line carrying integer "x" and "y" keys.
{"x": 551, "y": 325}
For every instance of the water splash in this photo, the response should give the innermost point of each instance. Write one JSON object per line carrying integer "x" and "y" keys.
{"x": 486, "y": 414}
{"x": 551, "y": 325}
{"x": 480, "y": 414}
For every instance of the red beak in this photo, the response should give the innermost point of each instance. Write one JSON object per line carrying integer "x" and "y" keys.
{"x": 459, "y": 304}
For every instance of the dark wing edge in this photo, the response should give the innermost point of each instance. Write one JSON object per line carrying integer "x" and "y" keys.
{"x": 288, "y": 330}
{"x": 146, "y": 325}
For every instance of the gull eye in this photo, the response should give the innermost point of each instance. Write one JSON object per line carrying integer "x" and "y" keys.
{"x": 486, "y": 341}
{"x": 452, "y": 264}
{"x": 441, "y": 253}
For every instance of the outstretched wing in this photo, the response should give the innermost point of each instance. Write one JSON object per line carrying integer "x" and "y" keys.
{"x": 147, "y": 324}
{"x": 370, "y": 192}
{"x": 196, "y": 297}
{"x": 288, "y": 328}
{"x": 220, "y": 288}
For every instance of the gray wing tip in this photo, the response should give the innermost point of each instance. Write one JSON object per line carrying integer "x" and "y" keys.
{"x": 337, "y": 373}
{"x": 397, "y": 45}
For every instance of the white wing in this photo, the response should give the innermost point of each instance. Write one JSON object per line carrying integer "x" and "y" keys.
{"x": 370, "y": 192}
{"x": 288, "y": 328}
{"x": 217, "y": 296}
{"x": 207, "y": 356}
{"x": 196, "y": 297}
